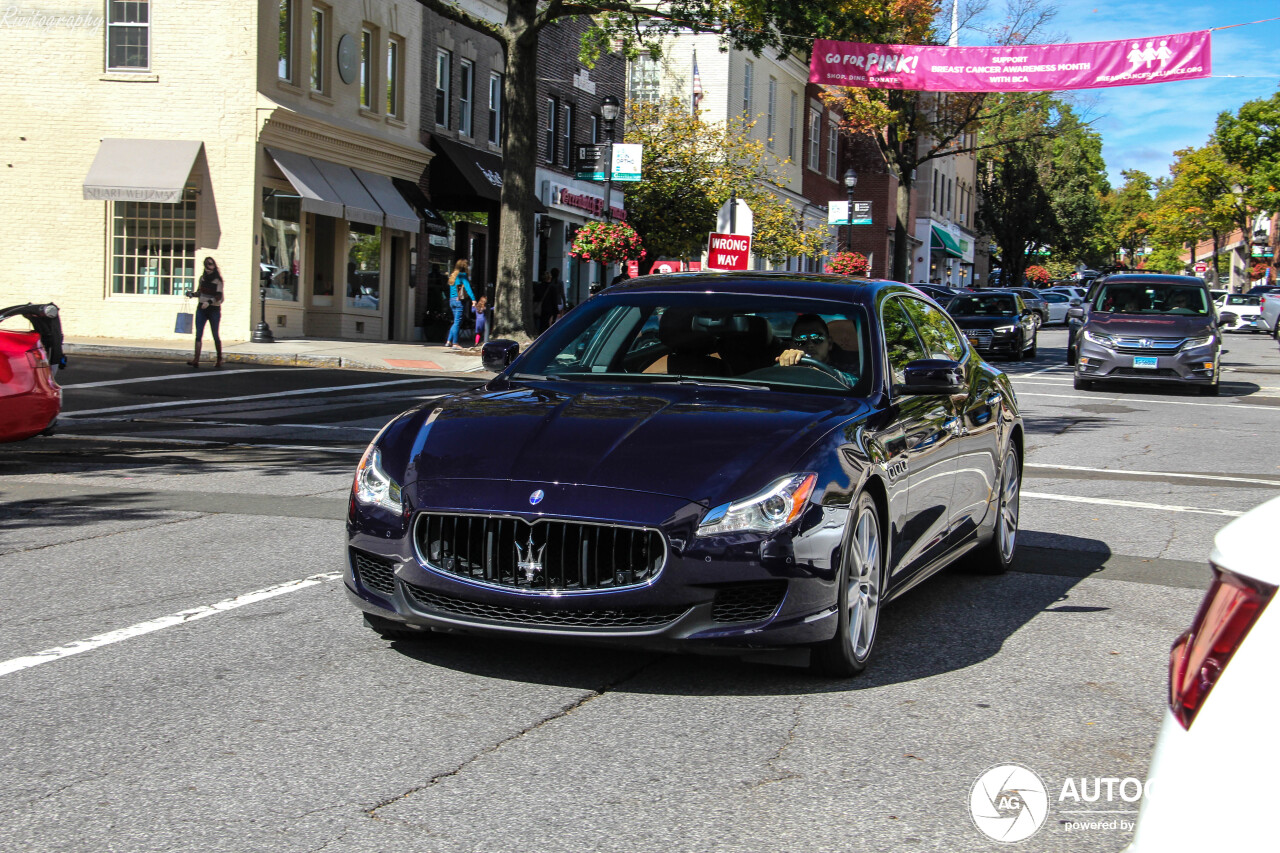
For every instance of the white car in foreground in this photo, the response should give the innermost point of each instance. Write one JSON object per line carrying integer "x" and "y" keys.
{"x": 1212, "y": 780}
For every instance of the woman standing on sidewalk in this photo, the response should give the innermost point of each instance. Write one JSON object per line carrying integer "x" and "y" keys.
{"x": 209, "y": 308}
{"x": 458, "y": 283}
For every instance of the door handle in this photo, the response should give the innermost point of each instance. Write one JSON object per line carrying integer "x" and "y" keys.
{"x": 953, "y": 426}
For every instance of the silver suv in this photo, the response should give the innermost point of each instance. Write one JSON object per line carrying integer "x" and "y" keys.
{"x": 1150, "y": 328}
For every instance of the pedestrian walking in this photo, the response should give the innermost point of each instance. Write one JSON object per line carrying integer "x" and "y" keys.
{"x": 208, "y": 294}
{"x": 481, "y": 305}
{"x": 459, "y": 284}
{"x": 552, "y": 302}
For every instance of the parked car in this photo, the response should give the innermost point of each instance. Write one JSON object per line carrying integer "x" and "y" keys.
{"x": 30, "y": 399}
{"x": 996, "y": 322}
{"x": 1269, "y": 314}
{"x": 1245, "y": 307}
{"x": 1150, "y": 328}
{"x": 695, "y": 462}
{"x": 1034, "y": 301}
{"x": 1056, "y": 303}
{"x": 1222, "y": 699}
{"x": 1071, "y": 290}
{"x": 1259, "y": 289}
{"x": 940, "y": 294}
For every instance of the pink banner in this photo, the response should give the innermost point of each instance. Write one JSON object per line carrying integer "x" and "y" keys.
{"x": 1027, "y": 68}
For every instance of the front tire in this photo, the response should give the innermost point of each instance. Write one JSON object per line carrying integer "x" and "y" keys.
{"x": 995, "y": 557}
{"x": 1031, "y": 353}
{"x": 861, "y": 582}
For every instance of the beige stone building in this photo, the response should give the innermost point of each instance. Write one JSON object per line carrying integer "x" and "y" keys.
{"x": 279, "y": 137}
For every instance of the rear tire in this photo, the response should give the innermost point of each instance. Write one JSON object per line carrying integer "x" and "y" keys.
{"x": 996, "y": 556}
{"x": 1031, "y": 353}
{"x": 1016, "y": 354}
{"x": 861, "y": 588}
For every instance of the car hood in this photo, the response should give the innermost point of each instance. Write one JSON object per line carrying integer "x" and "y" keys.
{"x": 985, "y": 322}
{"x": 699, "y": 443}
{"x": 1151, "y": 325}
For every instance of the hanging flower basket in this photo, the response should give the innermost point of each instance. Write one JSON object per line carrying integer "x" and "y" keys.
{"x": 848, "y": 263}
{"x": 607, "y": 242}
{"x": 1037, "y": 275}
{"x": 1257, "y": 271}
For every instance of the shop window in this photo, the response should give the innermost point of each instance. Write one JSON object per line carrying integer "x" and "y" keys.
{"x": 364, "y": 266}
{"x": 444, "y": 78}
{"x": 278, "y": 260}
{"x": 285, "y": 64}
{"x": 319, "y": 48}
{"x": 153, "y": 247}
{"x": 466, "y": 95}
{"x": 128, "y": 35}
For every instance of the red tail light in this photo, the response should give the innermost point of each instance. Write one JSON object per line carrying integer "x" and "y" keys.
{"x": 1230, "y": 607}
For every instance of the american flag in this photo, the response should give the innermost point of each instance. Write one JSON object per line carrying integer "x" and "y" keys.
{"x": 697, "y": 85}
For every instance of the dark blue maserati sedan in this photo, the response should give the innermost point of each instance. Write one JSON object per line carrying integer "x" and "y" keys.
{"x": 731, "y": 463}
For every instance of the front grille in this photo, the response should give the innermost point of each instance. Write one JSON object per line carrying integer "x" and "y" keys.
{"x": 748, "y": 602}
{"x": 1148, "y": 346}
{"x": 1140, "y": 372}
{"x": 375, "y": 573}
{"x": 546, "y": 556}
{"x": 534, "y": 617}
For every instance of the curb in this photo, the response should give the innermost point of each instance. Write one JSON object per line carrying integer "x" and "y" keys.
{"x": 292, "y": 360}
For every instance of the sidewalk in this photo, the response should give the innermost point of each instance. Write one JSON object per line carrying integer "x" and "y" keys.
{"x": 303, "y": 352}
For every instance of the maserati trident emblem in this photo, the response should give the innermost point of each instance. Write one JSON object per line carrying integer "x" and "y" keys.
{"x": 536, "y": 497}
{"x": 528, "y": 560}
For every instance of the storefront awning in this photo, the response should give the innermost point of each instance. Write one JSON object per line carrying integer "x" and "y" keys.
{"x": 317, "y": 195}
{"x": 949, "y": 244}
{"x": 357, "y": 204}
{"x": 153, "y": 170}
{"x": 432, "y": 222}
{"x": 465, "y": 178}
{"x": 398, "y": 212}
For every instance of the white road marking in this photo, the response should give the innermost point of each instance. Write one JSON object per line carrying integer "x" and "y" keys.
{"x": 142, "y": 407}
{"x": 1147, "y": 400}
{"x": 190, "y": 375}
{"x": 179, "y": 618}
{"x": 1275, "y": 483}
{"x": 1080, "y": 499}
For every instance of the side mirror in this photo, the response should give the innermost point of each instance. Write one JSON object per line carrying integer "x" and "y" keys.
{"x": 1075, "y": 312}
{"x": 1076, "y": 303}
{"x": 497, "y": 354}
{"x": 933, "y": 376}
{"x": 1226, "y": 318}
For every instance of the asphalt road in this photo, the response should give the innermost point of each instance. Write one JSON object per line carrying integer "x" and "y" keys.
{"x": 205, "y": 686}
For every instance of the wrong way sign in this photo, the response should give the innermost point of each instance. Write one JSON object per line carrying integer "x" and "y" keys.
{"x": 728, "y": 251}
{"x": 1201, "y": 267}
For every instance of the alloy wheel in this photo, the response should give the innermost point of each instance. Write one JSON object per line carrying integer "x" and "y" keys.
{"x": 864, "y": 583}
{"x": 1010, "y": 490}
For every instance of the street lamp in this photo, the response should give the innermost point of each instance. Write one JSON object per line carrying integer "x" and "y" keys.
{"x": 850, "y": 181}
{"x": 262, "y": 332}
{"x": 609, "y": 112}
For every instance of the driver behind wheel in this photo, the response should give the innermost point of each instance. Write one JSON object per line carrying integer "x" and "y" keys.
{"x": 812, "y": 338}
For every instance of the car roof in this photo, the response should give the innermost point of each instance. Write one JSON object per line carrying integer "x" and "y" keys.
{"x": 806, "y": 285}
{"x": 1147, "y": 277}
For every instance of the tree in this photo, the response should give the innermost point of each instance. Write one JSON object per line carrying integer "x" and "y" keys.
{"x": 912, "y": 128}
{"x": 1250, "y": 140}
{"x": 1126, "y": 212}
{"x": 1205, "y": 197}
{"x": 1039, "y": 189}
{"x": 691, "y": 168}
{"x": 617, "y": 25}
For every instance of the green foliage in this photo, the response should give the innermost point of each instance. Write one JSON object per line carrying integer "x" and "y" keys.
{"x": 1126, "y": 212}
{"x": 690, "y": 168}
{"x": 1250, "y": 140}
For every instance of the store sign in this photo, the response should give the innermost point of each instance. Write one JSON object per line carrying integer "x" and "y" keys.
{"x": 626, "y": 162}
{"x": 567, "y": 197}
{"x": 838, "y": 213}
{"x": 728, "y": 251}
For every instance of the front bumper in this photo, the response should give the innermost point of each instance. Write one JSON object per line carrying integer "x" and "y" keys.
{"x": 729, "y": 595}
{"x": 1195, "y": 366}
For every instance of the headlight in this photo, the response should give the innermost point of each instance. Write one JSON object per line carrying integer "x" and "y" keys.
{"x": 1192, "y": 343}
{"x": 1100, "y": 340}
{"x": 764, "y": 512}
{"x": 374, "y": 485}
{"x": 1004, "y": 330}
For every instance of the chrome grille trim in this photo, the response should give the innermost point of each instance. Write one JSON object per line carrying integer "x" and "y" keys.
{"x": 573, "y": 557}
{"x": 981, "y": 338}
{"x": 1158, "y": 346}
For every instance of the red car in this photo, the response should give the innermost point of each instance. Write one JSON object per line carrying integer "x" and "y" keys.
{"x": 30, "y": 399}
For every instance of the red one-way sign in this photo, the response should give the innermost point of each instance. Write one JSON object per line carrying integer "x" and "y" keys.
{"x": 728, "y": 251}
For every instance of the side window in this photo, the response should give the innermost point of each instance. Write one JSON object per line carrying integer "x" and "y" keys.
{"x": 940, "y": 337}
{"x": 900, "y": 340}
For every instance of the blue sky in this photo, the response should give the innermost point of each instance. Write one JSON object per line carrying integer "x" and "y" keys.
{"x": 1141, "y": 126}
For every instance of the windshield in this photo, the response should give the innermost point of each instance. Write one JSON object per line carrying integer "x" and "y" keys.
{"x": 711, "y": 338}
{"x": 983, "y": 305}
{"x": 1243, "y": 299}
{"x": 1157, "y": 297}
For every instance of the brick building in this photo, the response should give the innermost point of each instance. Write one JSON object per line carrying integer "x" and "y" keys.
{"x": 277, "y": 142}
